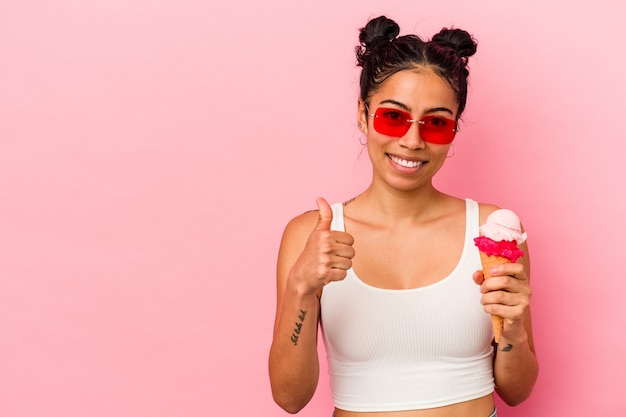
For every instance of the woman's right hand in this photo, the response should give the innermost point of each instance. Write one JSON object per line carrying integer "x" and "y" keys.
{"x": 326, "y": 257}
{"x": 310, "y": 256}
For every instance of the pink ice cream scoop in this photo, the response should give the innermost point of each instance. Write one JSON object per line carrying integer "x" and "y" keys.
{"x": 500, "y": 235}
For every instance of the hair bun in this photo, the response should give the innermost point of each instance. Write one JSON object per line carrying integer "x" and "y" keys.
{"x": 378, "y": 31}
{"x": 457, "y": 39}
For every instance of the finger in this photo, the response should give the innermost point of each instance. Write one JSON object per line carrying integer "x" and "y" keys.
{"x": 515, "y": 270}
{"x": 342, "y": 263}
{"x": 326, "y": 214}
{"x": 345, "y": 251}
{"x": 343, "y": 238}
{"x": 505, "y": 283}
{"x": 478, "y": 277}
{"x": 337, "y": 274}
{"x": 510, "y": 310}
{"x": 501, "y": 298}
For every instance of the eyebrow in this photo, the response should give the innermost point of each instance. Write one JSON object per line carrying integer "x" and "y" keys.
{"x": 397, "y": 103}
{"x": 405, "y": 107}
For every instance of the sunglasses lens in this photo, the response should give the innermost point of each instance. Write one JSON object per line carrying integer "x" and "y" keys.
{"x": 433, "y": 129}
{"x": 391, "y": 122}
{"x": 437, "y": 130}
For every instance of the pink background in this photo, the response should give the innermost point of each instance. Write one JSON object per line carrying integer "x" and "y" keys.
{"x": 152, "y": 152}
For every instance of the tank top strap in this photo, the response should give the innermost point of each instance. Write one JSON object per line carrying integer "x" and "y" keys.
{"x": 337, "y": 223}
{"x": 472, "y": 215}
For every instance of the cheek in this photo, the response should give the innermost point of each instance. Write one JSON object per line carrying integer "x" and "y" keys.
{"x": 376, "y": 144}
{"x": 375, "y": 149}
{"x": 440, "y": 155}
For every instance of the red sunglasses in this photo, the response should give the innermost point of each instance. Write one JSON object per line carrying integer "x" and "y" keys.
{"x": 434, "y": 129}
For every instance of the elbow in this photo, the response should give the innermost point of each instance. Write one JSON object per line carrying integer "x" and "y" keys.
{"x": 292, "y": 389}
{"x": 290, "y": 395}
{"x": 515, "y": 397}
{"x": 512, "y": 402}
{"x": 514, "y": 391}
{"x": 289, "y": 403}
{"x": 291, "y": 409}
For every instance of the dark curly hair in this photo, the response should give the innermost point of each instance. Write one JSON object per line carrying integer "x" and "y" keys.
{"x": 382, "y": 53}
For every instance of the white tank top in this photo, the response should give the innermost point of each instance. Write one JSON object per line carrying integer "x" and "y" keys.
{"x": 391, "y": 350}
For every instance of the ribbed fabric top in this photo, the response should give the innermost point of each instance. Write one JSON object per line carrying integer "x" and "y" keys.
{"x": 391, "y": 350}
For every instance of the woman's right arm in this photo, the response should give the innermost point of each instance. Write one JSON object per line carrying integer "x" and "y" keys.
{"x": 310, "y": 256}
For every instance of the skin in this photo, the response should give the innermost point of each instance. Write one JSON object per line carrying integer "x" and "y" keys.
{"x": 421, "y": 231}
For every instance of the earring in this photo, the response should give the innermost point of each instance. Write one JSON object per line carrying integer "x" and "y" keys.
{"x": 450, "y": 155}
{"x": 364, "y": 135}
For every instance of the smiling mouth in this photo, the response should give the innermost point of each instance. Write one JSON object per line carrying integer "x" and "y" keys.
{"x": 404, "y": 162}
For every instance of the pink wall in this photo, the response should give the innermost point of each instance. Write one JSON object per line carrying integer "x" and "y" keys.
{"x": 152, "y": 152}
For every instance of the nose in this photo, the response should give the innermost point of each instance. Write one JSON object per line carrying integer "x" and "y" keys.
{"x": 412, "y": 139}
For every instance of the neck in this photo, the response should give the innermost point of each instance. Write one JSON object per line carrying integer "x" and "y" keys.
{"x": 396, "y": 205}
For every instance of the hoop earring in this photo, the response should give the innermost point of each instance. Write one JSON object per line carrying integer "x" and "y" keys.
{"x": 453, "y": 151}
{"x": 361, "y": 140}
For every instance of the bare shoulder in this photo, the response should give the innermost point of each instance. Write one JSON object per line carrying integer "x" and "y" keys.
{"x": 294, "y": 239}
{"x": 301, "y": 226}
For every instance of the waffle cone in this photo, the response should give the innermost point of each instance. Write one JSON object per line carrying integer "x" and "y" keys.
{"x": 489, "y": 262}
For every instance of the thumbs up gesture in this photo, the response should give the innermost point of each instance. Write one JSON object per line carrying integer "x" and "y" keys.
{"x": 326, "y": 214}
{"x": 327, "y": 254}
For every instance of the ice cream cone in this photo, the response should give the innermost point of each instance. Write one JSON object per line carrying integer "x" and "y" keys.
{"x": 489, "y": 262}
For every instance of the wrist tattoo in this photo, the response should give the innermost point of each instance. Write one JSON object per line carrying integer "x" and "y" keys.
{"x": 507, "y": 348}
{"x": 295, "y": 336}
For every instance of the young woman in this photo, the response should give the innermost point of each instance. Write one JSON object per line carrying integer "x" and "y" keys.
{"x": 392, "y": 275}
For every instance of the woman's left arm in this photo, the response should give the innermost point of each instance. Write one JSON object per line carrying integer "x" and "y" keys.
{"x": 507, "y": 294}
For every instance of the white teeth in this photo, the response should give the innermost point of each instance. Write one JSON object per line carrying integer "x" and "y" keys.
{"x": 405, "y": 163}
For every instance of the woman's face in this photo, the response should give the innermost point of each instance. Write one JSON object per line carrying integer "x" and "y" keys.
{"x": 408, "y": 162}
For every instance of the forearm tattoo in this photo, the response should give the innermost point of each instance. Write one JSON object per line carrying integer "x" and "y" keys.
{"x": 296, "y": 331}
{"x": 507, "y": 348}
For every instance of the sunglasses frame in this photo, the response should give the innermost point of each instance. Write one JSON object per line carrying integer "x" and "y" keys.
{"x": 421, "y": 123}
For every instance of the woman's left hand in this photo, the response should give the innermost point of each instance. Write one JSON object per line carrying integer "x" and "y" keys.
{"x": 506, "y": 294}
